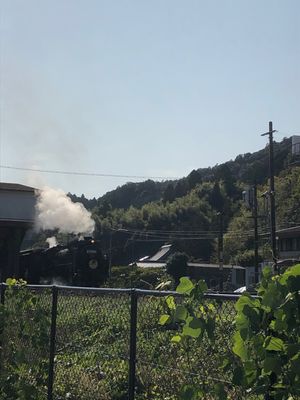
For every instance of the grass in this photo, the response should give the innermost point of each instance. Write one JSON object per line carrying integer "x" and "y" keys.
{"x": 92, "y": 349}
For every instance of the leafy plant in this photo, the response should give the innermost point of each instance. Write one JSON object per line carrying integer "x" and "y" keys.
{"x": 193, "y": 320}
{"x": 176, "y": 266}
{"x": 265, "y": 354}
{"x": 266, "y": 341}
{"x": 24, "y": 328}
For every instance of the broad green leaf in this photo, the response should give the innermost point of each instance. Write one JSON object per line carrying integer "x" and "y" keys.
{"x": 245, "y": 333}
{"x": 185, "y": 285}
{"x": 170, "y": 302}
{"x": 181, "y": 313}
{"x": 244, "y": 300}
{"x": 239, "y": 347}
{"x": 273, "y": 344}
{"x": 11, "y": 281}
{"x": 176, "y": 339}
{"x": 242, "y": 322}
{"x": 164, "y": 319}
{"x": 250, "y": 371}
{"x": 279, "y": 324}
{"x": 272, "y": 297}
{"x": 195, "y": 323}
{"x": 258, "y": 344}
{"x": 192, "y": 328}
{"x": 272, "y": 364}
{"x": 292, "y": 271}
{"x": 281, "y": 387}
{"x": 253, "y": 315}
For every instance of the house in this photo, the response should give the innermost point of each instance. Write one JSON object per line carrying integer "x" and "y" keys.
{"x": 233, "y": 276}
{"x": 17, "y": 212}
{"x": 289, "y": 243}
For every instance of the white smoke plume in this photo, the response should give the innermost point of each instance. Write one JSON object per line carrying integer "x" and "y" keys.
{"x": 52, "y": 242}
{"x": 55, "y": 210}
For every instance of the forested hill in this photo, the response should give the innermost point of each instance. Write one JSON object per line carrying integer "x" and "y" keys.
{"x": 136, "y": 218}
{"x": 246, "y": 168}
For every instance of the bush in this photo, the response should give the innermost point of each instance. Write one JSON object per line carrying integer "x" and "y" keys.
{"x": 24, "y": 328}
{"x": 265, "y": 355}
{"x": 132, "y": 276}
{"x": 176, "y": 266}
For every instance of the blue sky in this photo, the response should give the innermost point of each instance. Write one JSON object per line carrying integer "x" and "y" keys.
{"x": 152, "y": 88}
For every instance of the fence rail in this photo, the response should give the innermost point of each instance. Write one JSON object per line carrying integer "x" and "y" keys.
{"x": 100, "y": 343}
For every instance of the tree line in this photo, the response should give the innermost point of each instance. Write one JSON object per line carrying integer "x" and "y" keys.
{"x": 192, "y": 204}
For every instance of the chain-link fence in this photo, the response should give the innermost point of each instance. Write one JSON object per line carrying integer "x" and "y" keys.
{"x": 91, "y": 344}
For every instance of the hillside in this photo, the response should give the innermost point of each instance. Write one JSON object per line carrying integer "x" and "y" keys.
{"x": 245, "y": 168}
{"x": 135, "y": 219}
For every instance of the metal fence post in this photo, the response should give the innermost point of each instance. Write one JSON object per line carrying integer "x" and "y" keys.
{"x": 132, "y": 356}
{"x": 52, "y": 342}
{"x": 2, "y": 300}
{"x": 2, "y": 293}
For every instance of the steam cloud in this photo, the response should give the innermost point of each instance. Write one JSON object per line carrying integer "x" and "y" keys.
{"x": 55, "y": 210}
{"x": 52, "y": 242}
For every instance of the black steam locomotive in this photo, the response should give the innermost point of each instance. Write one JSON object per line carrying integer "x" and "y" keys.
{"x": 79, "y": 263}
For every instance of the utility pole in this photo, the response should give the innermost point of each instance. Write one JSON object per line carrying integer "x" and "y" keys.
{"x": 255, "y": 217}
{"x": 220, "y": 251}
{"x": 110, "y": 253}
{"x": 250, "y": 200}
{"x": 272, "y": 193}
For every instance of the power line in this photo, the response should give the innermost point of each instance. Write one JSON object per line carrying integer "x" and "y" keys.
{"x": 148, "y": 236}
{"x": 50, "y": 171}
{"x": 196, "y": 232}
{"x": 279, "y": 145}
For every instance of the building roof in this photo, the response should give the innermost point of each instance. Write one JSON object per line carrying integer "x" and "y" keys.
{"x": 216, "y": 266}
{"x": 150, "y": 265}
{"x": 15, "y": 187}
{"x": 162, "y": 253}
{"x": 289, "y": 232}
{"x": 146, "y": 264}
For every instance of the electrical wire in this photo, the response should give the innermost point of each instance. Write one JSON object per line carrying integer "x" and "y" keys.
{"x": 278, "y": 146}
{"x": 97, "y": 174}
{"x": 147, "y": 236}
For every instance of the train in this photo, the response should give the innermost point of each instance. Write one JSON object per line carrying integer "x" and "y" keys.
{"x": 78, "y": 263}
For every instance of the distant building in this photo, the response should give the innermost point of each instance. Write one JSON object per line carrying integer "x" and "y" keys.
{"x": 295, "y": 145}
{"x": 234, "y": 276}
{"x": 289, "y": 243}
{"x": 17, "y": 212}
